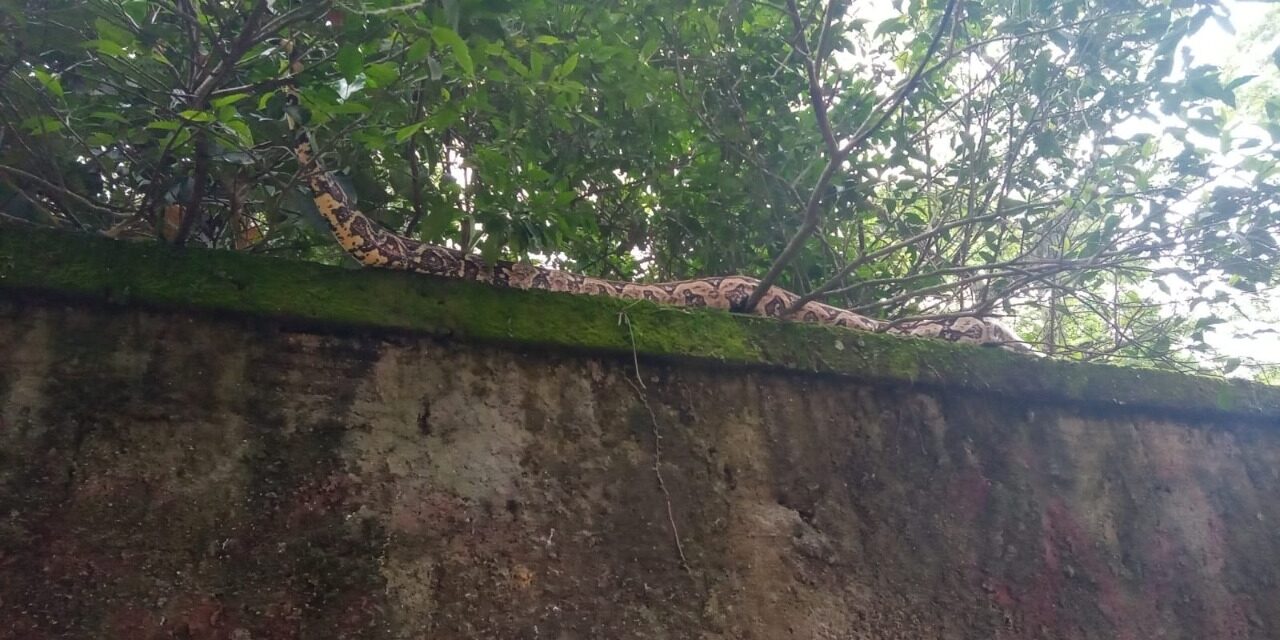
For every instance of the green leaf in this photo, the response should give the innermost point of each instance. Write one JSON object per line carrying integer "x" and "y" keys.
{"x": 241, "y": 129}
{"x": 226, "y": 101}
{"x": 350, "y": 61}
{"x": 307, "y": 210}
{"x": 439, "y": 220}
{"x": 177, "y": 139}
{"x": 350, "y": 107}
{"x": 404, "y": 133}
{"x": 381, "y": 74}
{"x": 101, "y": 139}
{"x": 1231, "y": 86}
{"x": 536, "y": 62}
{"x": 545, "y": 39}
{"x": 165, "y": 125}
{"x": 49, "y": 81}
{"x": 109, "y": 116}
{"x": 1205, "y": 127}
{"x": 567, "y": 66}
{"x": 442, "y": 118}
{"x": 1208, "y": 85}
{"x": 137, "y": 9}
{"x": 111, "y": 32}
{"x": 235, "y": 157}
{"x": 891, "y": 26}
{"x": 418, "y": 50}
{"x": 195, "y": 115}
{"x": 650, "y": 47}
{"x": 446, "y": 37}
{"x": 520, "y": 68}
{"x": 1224, "y": 23}
{"x": 1208, "y": 321}
{"x": 106, "y": 48}
{"x": 42, "y": 124}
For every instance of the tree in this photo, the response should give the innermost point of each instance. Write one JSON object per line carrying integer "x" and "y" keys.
{"x": 1059, "y": 161}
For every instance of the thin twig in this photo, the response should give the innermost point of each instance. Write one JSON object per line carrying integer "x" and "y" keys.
{"x": 635, "y": 356}
{"x": 53, "y": 187}
{"x": 195, "y": 206}
{"x": 638, "y": 386}
{"x": 813, "y": 67}
{"x": 657, "y": 470}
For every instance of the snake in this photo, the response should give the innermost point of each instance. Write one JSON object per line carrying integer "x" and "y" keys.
{"x": 373, "y": 245}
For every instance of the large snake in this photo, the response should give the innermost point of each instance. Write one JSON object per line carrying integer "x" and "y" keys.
{"x": 373, "y": 245}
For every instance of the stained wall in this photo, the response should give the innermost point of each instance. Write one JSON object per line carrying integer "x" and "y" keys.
{"x": 181, "y": 472}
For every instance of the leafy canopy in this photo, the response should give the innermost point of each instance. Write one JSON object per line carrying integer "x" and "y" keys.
{"x": 1064, "y": 162}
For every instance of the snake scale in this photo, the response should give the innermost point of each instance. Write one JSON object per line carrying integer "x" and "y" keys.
{"x": 375, "y": 246}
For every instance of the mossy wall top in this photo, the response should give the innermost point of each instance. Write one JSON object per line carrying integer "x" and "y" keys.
{"x": 319, "y": 296}
{"x": 212, "y": 446}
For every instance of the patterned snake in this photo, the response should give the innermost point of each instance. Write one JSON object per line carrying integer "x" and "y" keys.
{"x": 373, "y": 245}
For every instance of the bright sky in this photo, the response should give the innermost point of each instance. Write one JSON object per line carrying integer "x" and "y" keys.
{"x": 1216, "y": 46}
{"x": 1212, "y": 45}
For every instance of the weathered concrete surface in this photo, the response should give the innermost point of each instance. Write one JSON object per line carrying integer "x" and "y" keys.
{"x": 322, "y": 297}
{"x": 172, "y": 476}
{"x": 213, "y": 446}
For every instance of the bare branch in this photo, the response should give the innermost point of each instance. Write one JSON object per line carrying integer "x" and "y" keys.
{"x": 194, "y": 209}
{"x": 812, "y": 210}
{"x": 251, "y": 36}
{"x": 813, "y": 69}
{"x": 415, "y": 170}
{"x": 90, "y": 204}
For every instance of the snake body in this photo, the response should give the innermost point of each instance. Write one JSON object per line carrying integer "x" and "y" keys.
{"x": 375, "y": 246}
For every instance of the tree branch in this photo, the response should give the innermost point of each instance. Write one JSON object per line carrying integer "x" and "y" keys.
{"x": 90, "y": 204}
{"x": 813, "y": 67}
{"x": 812, "y": 210}
{"x": 195, "y": 206}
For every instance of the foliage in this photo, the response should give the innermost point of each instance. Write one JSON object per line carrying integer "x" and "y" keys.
{"x": 1055, "y": 160}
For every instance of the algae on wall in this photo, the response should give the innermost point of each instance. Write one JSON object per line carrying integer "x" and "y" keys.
{"x": 322, "y": 297}
{"x": 210, "y": 445}
{"x": 174, "y": 475}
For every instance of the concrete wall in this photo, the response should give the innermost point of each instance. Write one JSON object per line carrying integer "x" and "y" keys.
{"x": 246, "y": 467}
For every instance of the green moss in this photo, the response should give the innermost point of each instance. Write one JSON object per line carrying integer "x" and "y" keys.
{"x": 1225, "y": 401}
{"x": 42, "y": 261}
